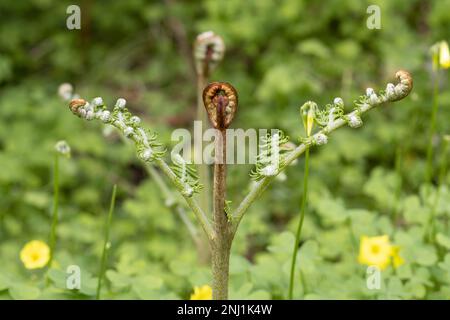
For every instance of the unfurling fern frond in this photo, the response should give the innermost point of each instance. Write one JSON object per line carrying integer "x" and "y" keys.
{"x": 187, "y": 175}
{"x": 270, "y": 159}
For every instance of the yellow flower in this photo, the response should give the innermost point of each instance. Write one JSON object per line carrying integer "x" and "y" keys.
{"x": 202, "y": 293}
{"x": 397, "y": 261}
{"x": 35, "y": 254}
{"x": 444, "y": 55}
{"x": 441, "y": 55}
{"x": 375, "y": 251}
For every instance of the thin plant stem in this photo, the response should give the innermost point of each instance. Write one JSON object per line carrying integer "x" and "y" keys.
{"x": 431, "y": 225}
{"x": 55, "y": 215}
{"x": 429, "y": 167}
{"x": 106, "y": 244}
{"x": 398, "y": 191}
{"x": 300, "y": 224}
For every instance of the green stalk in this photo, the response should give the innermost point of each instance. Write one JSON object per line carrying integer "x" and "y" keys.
{"x": 429, "y": 168}
{"x": 431, "y": 226}
{"x": 55, "y": 217}
{"x": 300, "y": 223}
{"x": 398, "y": 191}
{"x": 106, "y": 244}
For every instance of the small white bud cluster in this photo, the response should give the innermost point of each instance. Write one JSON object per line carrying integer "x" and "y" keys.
{"x": 105, "y": 116}
{"x": 390, "y": 91}
{"x": 188, "y": 191}
{"x": 373, "y": 98}
{"x": 121, "y": 103}
{"x": 186, "y": 176}
{"x": 97, "y": 102}
{"x": 339, "y": 102}
{"x": 63, "y": 148}
{"x": 269, "y": 171}
{"x": 354, "y": 121}
{"x": 146, "y": 154}
{"x": 320, "y": 139}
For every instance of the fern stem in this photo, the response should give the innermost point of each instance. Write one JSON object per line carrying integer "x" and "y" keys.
{"x": 106, "y": 244}
{"x": 55, "y": 214}
{"x": 429, "y": 167}
{"x": 300, "y": 224}
{"x": 431, "y": 225}
{"x": 222, "y": 244}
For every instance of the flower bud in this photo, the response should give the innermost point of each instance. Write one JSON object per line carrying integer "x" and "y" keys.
{"x": 308, "y": 112}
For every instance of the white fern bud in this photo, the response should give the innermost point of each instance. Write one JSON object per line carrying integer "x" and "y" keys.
{"x": 128, "y": 131}
{"x": 90, "y": 115}
{"x": 135, "y": 120}
{"x": 188, "y": 191}
{"x": 105, "y": 116}
{"x": 390, "y": 91}
{"x": 320, "y": 139}
{"x": 369, "y": 92}
{"x": 354, "y": 121}
{"x": 338, "y": 101}
{"x": 373, "y": 99}
{"x": 146, "y": 154}
{"x": 269, "y": 171}
{"x": 121, "y": 103}
{"x": 98, "y": 101}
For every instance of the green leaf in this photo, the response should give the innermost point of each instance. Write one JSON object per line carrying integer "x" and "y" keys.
{"x": 146, "y": 287}
{"x": 4, "y": 283}
{"x": 426, "y": 255}
{"x": 443, "y": 240}
{"x": 24, "y": 292}
{"x": 118, "y": 280}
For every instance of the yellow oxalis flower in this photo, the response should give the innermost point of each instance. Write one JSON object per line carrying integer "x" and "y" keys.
{"x": 378, "y": 251}
{"x": 35, "y": 254}
{"x": 441, "y": 55}
{"x": 397, "y": 261}
{"x": 444, "y": 55}
{"x": 202, "y": 293}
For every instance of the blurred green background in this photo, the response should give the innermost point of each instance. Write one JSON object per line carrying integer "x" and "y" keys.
{"x": 279, "y": 55}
